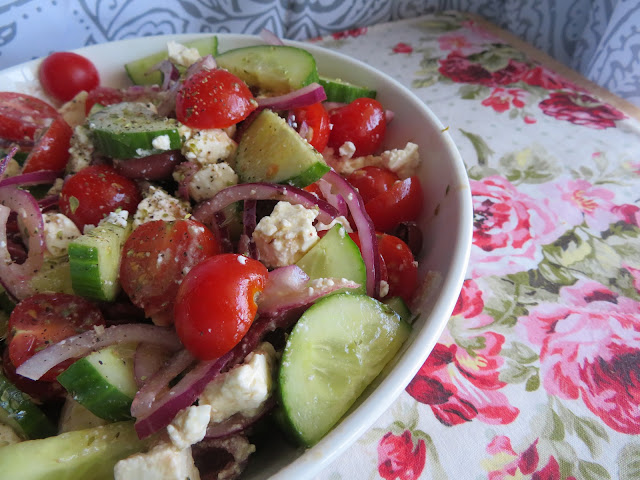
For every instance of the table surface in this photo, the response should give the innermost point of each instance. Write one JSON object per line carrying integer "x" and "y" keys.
{"x": 537, "y": 375}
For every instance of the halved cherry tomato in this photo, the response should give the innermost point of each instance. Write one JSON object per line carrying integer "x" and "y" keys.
{"x": 103, "y": 96}
{"x": 372, "y": 181}
{"x": 362, "y": 122}
{"x": 213, "y": 99}
{"x": 216, "y": 303}
{"x": 96, "y": 191}
{"x": 402, "y": 269}
{"x": 22, "y": 115}
{"x": 65, "y": 74}
{"x": 156, "y": 257}
{"x": 47, "y": 318}
{"x": 52, "y": 150}
{"x": 401, "y": 203}
{"x": 312, "y": 123}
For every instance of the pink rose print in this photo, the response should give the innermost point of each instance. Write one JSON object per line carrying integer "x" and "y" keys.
{"x": 402, "y": 48}
{"x": 399, "y": 458}
{"x": 501, "y": 99}
{"x": 627, "y": 213}
{"x": 603, "y": 366}
{"x": 459, "y": 43}
{"x": 509, "y": 228}
{"x": 459, "y": 69}
{"x": 547, "y": 79}
{"x": 354, "y": 32}
{"x": 470, "y": 305}
{"x": 580, "y": 109}
{"x": 635, "y": 273}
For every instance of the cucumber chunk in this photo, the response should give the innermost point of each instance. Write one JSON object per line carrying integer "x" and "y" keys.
{"x": 398, "y": 305}
{"x": 53, "y": 276}
{"x": 128, "y": 130}
{"x": 338, "y": 90}
{"x": 335, "y": 255}
{"x": 94, "y": 260}
{"x": 273, "y": 69}
{"x": 79, "y": 455}
{"x": 103, "y": 382}
{"x": 271, "y": 151}
{"x": 339, "y": 345}
{"x": 137, "y": 70}
{"x": 19, "y": 412}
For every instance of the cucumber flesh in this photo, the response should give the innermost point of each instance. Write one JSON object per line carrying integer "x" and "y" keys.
{"x": 103, "y": 382}
{"x": 94, "y": 260}
{"x": 338, "y": 90}
{"x": 271, "y": 151}
{"x": 137, "y": 70}
{"x": 335, "y": 255}
{"x": 53, "y": 276}
{"x": 339, "y": 345}
{"x": 128, "y": 130}
{"x": 400, "y": 307}
{"x": 272, "y": 69}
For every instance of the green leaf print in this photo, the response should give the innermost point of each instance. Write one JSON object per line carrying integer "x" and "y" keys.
{"x": 629, "y": 462}
{"x": 516, "y": 373}
{"x": 530, "y": 165}
{"x": 471, "y": 92}
{"x": 482, "y": 149}
{"x": 520, "y": 353}
{"x": 592, "y": 471}
{"x": 497, "y": 57}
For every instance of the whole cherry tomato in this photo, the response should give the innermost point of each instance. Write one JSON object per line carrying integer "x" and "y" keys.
{"x": 21, "y": 116}
{"x": 216, "y": 303}
{"x": 52, "y": 150}
{"x": 65, "y": 74}
{"x": 96, "y": 191}
{"x": 312, "y": 123}
{"x": 362, "y": 122}
{"x": 372, "y": 181}
{"x": 401, "y": 203}
{"x": 213, "y": 99}
{"x": 155, "y": 259}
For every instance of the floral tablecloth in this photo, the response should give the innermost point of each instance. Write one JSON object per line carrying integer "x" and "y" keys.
{"x": 537, "y": 375}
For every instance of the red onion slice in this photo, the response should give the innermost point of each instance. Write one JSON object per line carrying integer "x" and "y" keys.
{"x": 17, "y": 277}
{"x": 86, "y": 342}
{"x": 269, "y": 37}
{"x": 205, "y": 63}
{"x": 336, "y": 200}
{"x": 147, "y": 361}
{"x": 168, "y": 70}
{"x": 7, "y": 158}
{"x": 263, "y": 191}
{"x": 365, "y": 228}
{"x": 32, "y": 178}
{"x": 186, "y": 171}
{"x": 303, "y": 97}
{"x": 48, "y": 202}
{"x": 246, "y": 245}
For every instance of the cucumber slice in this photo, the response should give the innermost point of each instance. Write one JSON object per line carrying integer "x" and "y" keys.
{"x": 339, "y": 345}
{"x": 94, "y": 260}
{"x": 137, "y": 70}
{"x": 79, "y": 455}
{"x": 53, "y": 276}
{"x": 20, "y": 413}
{"x": 338, "y": 90}
{"x": 127, "y": 130}
{"x": 103, "y": 382}
{"x": 273, "y": 69}
{"x": 271, "y": 151}
{"x": 398, "y": 305}
{"x": 335, "y": 255}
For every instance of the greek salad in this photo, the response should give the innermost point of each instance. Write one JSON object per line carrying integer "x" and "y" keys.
{"x": 219, "y": 250}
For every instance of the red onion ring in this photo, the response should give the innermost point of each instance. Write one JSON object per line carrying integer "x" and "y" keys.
{"x": 147, "y": 361}
{"x": 86, "y": 342}
{"x": 168, "y": 70}
{"x": 336, "y": 200}
{"x": 205, "y": 63}
{"x": 17, "y": 277}
{"x": 186, "y": 170}
{"x": 7, "y": 158}
{"x": 246, "y": 244}
{"x": 271, "y": 38}
{"x": 32, "y": 178}
{"x": 303, "y": 97}
{"x": 48, "y": 202}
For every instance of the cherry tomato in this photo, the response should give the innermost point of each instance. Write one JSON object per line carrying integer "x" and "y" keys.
{"x": 47, "y": 318}
{"x": 22, "y": 115}
{"x": 362, "y": 122}
{"x": 372, "y": 181}
{"x": 213, "y": 99}
{"x": 312, "y": 123}
{"x": 52, "y": 150}
{"x": 96, "y": 191}
{"x": 65, "y": 74}
{"x": 156, "y": 257}
{"x": 401, "y": 203}
{"x": 402, "y": 270}
{"x": 216, "y": 303}
{"x": 103, "y": 96}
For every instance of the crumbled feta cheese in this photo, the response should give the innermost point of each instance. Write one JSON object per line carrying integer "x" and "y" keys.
{"x": 73, "y": 111}
{"x": 163, "y": 462}
{"x": 56, "y": 188}
{"x": 346, "y": 150}
{"x": 283, "y": 237}
{"x": 189, "y": 426}
{"x": 59, "y": 231}
{"x": 159, "y": 205}
{"x": 244, "y": 388}
{"x": 384, "y": 288}
{"x": 161, "y": 142}
{"x": 206, "y": 146}
{"x": 118, "y": 217}
{"x": 80, "y": 149}
{"x": 182, "y": 55}
{"x": 8, "y": 436}
{"x": 210, "y": 179}
{"x": 328, "y": 226}
{"x": 404, "y": 162}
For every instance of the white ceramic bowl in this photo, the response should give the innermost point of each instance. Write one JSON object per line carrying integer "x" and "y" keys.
{"x": 446, "y": 223}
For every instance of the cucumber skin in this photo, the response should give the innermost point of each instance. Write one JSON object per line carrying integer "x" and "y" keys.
{"x": 126, "y": 145}
{"x": 79, "y": 455}
{"x": 20, "y": 413}
{"x": 343, "y": 92}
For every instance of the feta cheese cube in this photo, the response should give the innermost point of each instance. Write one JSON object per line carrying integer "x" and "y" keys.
{"x": 161, "y": 142}
{"x": 182, "y": 55}
{"x": 210, "y": 179}
{"x": 189, "y": 426}
{"x": 119, "y": 217}
{"x": 404, "y": 162}
{"x": 59, "y": 232}
{"x": 163, "y": 462}
{"x": 80, "y": 150}
{"x": 159, "y": 205}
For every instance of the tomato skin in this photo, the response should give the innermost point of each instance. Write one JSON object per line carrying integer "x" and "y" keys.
{"x": 402, "y": 270}
{"x": 65, "y": 74}
{"x": 47, "y": 318}
{"x": 103, "y": 96}
{"x": 216, "y": 303}
{"x": 372, "y": 181}
{"x": 94, "y": 192}
{"x": 312, "y": 123}
{"x": 401, "y": 203}
{"x": 155, "y": 259}
{"x": 362, "y": 122}
{"x": 213, "y": 99}
{"x": 21, "y": 116}
{"x": 52, "y": 150}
